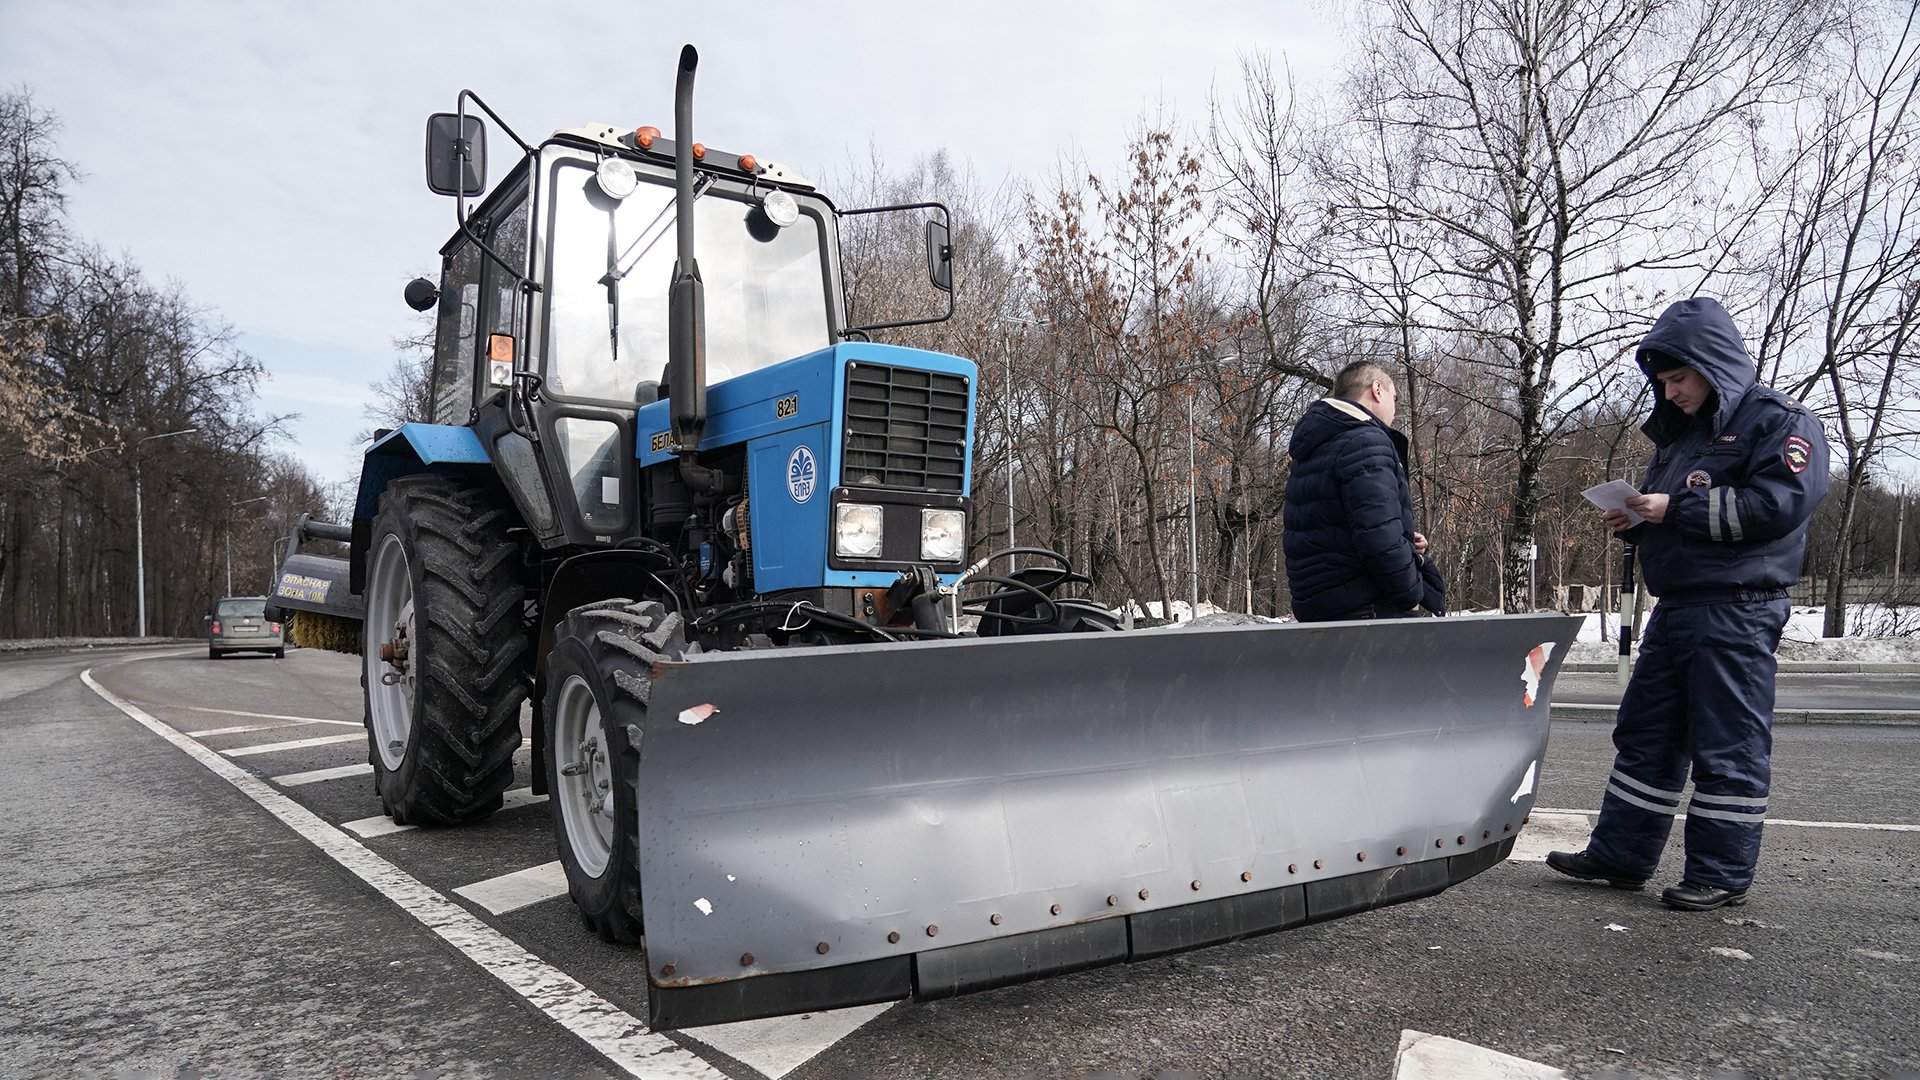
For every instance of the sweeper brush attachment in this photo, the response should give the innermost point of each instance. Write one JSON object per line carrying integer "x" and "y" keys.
{"x": 313, "y": 588}
{"x": 825, "y": 827}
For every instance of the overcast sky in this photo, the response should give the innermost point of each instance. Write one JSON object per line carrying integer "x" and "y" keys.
{"x": 270, "y": 160}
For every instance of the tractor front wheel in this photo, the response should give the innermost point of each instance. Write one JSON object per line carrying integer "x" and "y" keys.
{"x": 597, "y": 682}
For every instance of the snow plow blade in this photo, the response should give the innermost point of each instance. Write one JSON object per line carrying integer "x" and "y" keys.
{"x": 826, "y": 827}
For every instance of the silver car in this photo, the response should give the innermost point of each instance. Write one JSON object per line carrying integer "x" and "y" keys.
{"x": 244, "y": 624}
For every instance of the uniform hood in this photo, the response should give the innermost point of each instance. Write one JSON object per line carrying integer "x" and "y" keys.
{"x": 1331, "y": 417}
{"x": 1700, "y": 334}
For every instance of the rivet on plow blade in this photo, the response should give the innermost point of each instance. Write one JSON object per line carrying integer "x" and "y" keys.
{"x": 1054, "y": 910}
{"x": 1461, "y": 840}
{"x": 1359, "y": 856}
{"x": 1318, "y": 865}
{"x": 1486, "y": 834}
{"x": 994, "y": 918}
{"x": 933, "y": 930}
{"x": 1399, "y": 851}
{"x": 746, "y": 959}
{"x": 893, "y": 937}
{"x": 821, "y": 948}
{"x": 1143, "y": 894}
{"x": 1112, "y": 900}
{"x": 1506, "y": 828}
{"x": 1439, "y": 843}
{"x": 1246, "y": 875}
{"x": 1293, "y": 868}
{"x": 667, "y": 970}
{"x": 1195, "y": 886}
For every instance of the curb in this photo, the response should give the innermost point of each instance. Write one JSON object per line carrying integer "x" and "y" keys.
{"x": 1605, "y": 714}
{"x": 82, "y": 645}
{"x": 1787, "y": 667}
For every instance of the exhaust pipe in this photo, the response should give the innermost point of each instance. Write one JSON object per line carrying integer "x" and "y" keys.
{"x": 686, "y": 297}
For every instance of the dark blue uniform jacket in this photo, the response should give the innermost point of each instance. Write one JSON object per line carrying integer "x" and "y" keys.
{"x": 1349, "y": 520}
{"x": 1744, "y": 473}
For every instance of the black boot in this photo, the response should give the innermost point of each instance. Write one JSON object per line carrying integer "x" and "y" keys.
{"x": 1690, "y": 897}
{"x": 1579, "y": 864}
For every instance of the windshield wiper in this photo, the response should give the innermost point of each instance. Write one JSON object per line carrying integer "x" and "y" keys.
{"x": 651, "y": 234}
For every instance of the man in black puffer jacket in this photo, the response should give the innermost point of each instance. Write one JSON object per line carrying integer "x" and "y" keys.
{"x": 1352, "y": 552}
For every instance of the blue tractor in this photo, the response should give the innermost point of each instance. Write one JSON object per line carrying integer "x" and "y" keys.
{"x": 795, "y": 740}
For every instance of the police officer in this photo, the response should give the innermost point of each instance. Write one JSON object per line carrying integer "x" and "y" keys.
{"x": 1736, "y": 473}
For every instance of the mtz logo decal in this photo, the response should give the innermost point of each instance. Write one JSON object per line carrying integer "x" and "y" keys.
{"x": 786, "y": 406}
{"x": 1798, "y": 453}
{"x": 662, "y": 440}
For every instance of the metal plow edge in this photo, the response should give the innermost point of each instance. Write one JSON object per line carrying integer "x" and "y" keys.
{"x": 830, "y": 827}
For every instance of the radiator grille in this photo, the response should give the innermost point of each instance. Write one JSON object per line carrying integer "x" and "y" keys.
{"x": 905, "y": 429}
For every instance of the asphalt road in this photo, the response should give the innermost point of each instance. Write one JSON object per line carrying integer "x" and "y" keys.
{"x": 1792, "y": 690}
{"x": 158, "y": 921}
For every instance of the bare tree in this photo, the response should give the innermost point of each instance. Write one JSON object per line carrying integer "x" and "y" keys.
{"x": 1563, "y": 152}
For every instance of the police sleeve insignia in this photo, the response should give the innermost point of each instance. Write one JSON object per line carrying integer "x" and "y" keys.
{"x": 1797, "y": 453}
{"x": 1699, "y": 478}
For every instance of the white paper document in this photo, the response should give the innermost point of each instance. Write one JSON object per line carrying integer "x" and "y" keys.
{"x": 1613, "y": 495}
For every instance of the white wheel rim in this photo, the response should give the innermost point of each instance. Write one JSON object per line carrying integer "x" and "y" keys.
{"x": 585, "y": 772}
{"x": 390, "y": 616}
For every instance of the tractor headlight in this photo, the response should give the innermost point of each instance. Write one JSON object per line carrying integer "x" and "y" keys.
{"x": 857, "y": 528}
{"x": 943, "y": 535}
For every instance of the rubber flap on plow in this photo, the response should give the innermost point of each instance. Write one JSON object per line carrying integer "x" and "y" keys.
{"x": 831, "y": 826}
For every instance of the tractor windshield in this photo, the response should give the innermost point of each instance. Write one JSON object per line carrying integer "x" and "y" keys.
{"x": 611, "y": 261}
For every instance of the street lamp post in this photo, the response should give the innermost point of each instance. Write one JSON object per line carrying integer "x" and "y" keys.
{"x": 1193, "y": 519}
{"x": 139, "y": 527}
{"x": 229, "y": 537}
{"x": 1006, "y": 393}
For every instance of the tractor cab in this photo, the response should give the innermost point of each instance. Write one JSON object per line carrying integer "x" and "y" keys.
{"x": 553, "y": 325}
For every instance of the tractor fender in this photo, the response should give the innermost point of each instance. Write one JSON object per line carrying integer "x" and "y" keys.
{"x": 407, "y": 449}
{"x": 582, "y": 579}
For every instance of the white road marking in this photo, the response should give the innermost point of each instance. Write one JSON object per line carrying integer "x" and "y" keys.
{"x": 315, "y": 776}
{"x": 1436, "y": 1057}
{"x": 296, "y": 744}
{"x": 621, "y": 1037}
{"x": 522, "y": 888}
{"x": 261, "y": 715}
{"x": 1550, "y": 831}
{"x": 781, "y": 1044}
{"x": 382, "y": 825}
{"x": 237, "y": 729}
{"x": 1864, "y": 826}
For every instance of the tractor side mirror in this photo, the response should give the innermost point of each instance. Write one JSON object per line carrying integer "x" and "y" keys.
{"x": 456, "y": 155}
{"x": 274, "y": 614}
{"x": 421, "y": 294}
{"x": 939, "y": 257}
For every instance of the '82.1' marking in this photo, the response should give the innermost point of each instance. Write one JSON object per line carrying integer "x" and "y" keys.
{"x": 786, "y": 406}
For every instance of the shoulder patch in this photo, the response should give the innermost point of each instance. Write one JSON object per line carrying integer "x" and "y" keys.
{"x": 1797, "y": 453}
{"x": 1728, "y": 438}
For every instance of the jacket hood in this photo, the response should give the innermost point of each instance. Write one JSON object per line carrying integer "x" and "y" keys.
{"x": 1700, "y": 334}
{"x": 1330, "y": 417}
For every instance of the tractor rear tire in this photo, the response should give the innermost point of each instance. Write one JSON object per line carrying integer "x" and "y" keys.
{"x": 444, "y": 575}
{"x": 597, "y": 683}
